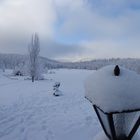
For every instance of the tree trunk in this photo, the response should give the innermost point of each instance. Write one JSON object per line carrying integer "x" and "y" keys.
{"x": 33, "y": 79}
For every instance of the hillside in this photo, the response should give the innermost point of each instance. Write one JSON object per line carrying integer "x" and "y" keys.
{"x": 9, "y": 61}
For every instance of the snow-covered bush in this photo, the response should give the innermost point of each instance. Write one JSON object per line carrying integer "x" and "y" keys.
{"x": 20, "y": 70}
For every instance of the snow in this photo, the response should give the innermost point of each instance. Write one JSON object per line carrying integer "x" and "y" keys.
{"x": 102, "y": 136}
{"x": 29, "y": 111}
{"x": 114, "y": 93}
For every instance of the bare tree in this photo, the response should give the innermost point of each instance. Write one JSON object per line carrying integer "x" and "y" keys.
{"x": 34, "y": 49}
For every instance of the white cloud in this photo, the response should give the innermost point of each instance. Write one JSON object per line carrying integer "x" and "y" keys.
{"x": 27, "y": 16}
{"x": 110, "y": 48}
{"x": 93, "y": 22}
{"x": 20, "y": 18}
{"x": 110, "y": 27}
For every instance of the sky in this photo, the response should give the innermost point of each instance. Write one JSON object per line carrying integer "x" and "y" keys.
{"x": 72, "y": 30}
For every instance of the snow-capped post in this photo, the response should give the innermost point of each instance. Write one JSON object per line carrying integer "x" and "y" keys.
{"x": 116, "y": 70}
{"x": 116, "y": 101}
{"x": 56, "y": 90}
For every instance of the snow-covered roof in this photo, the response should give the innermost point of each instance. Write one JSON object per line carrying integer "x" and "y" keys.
{"x": 114, "y": 93}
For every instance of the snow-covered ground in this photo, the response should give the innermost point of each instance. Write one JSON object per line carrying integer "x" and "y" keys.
{"x": 29, "y": 111}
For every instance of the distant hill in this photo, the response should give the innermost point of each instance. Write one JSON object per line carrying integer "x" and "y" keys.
{"x": 11, "y": 60}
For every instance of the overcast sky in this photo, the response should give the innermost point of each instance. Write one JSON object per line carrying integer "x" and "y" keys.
{"x": 72, "y": 30}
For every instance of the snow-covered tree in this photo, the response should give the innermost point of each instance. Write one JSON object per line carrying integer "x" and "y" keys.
{"x": 34, "y": 49}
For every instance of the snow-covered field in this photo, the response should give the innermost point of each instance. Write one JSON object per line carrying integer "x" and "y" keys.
{"x": 29, "y": 111}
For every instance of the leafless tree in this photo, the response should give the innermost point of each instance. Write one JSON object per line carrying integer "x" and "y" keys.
{"x": 34, "y": 49}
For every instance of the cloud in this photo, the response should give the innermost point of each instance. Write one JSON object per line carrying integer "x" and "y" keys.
{"x": 99, "y": 21}
{"x": 109, "y": 27}
{"x": 110, "y": 49}
{"x": 27, "y": 16}
{"x": 56, "y": 50}
{"x": 20, "y": 18}
{"x": 70, "y": 29}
